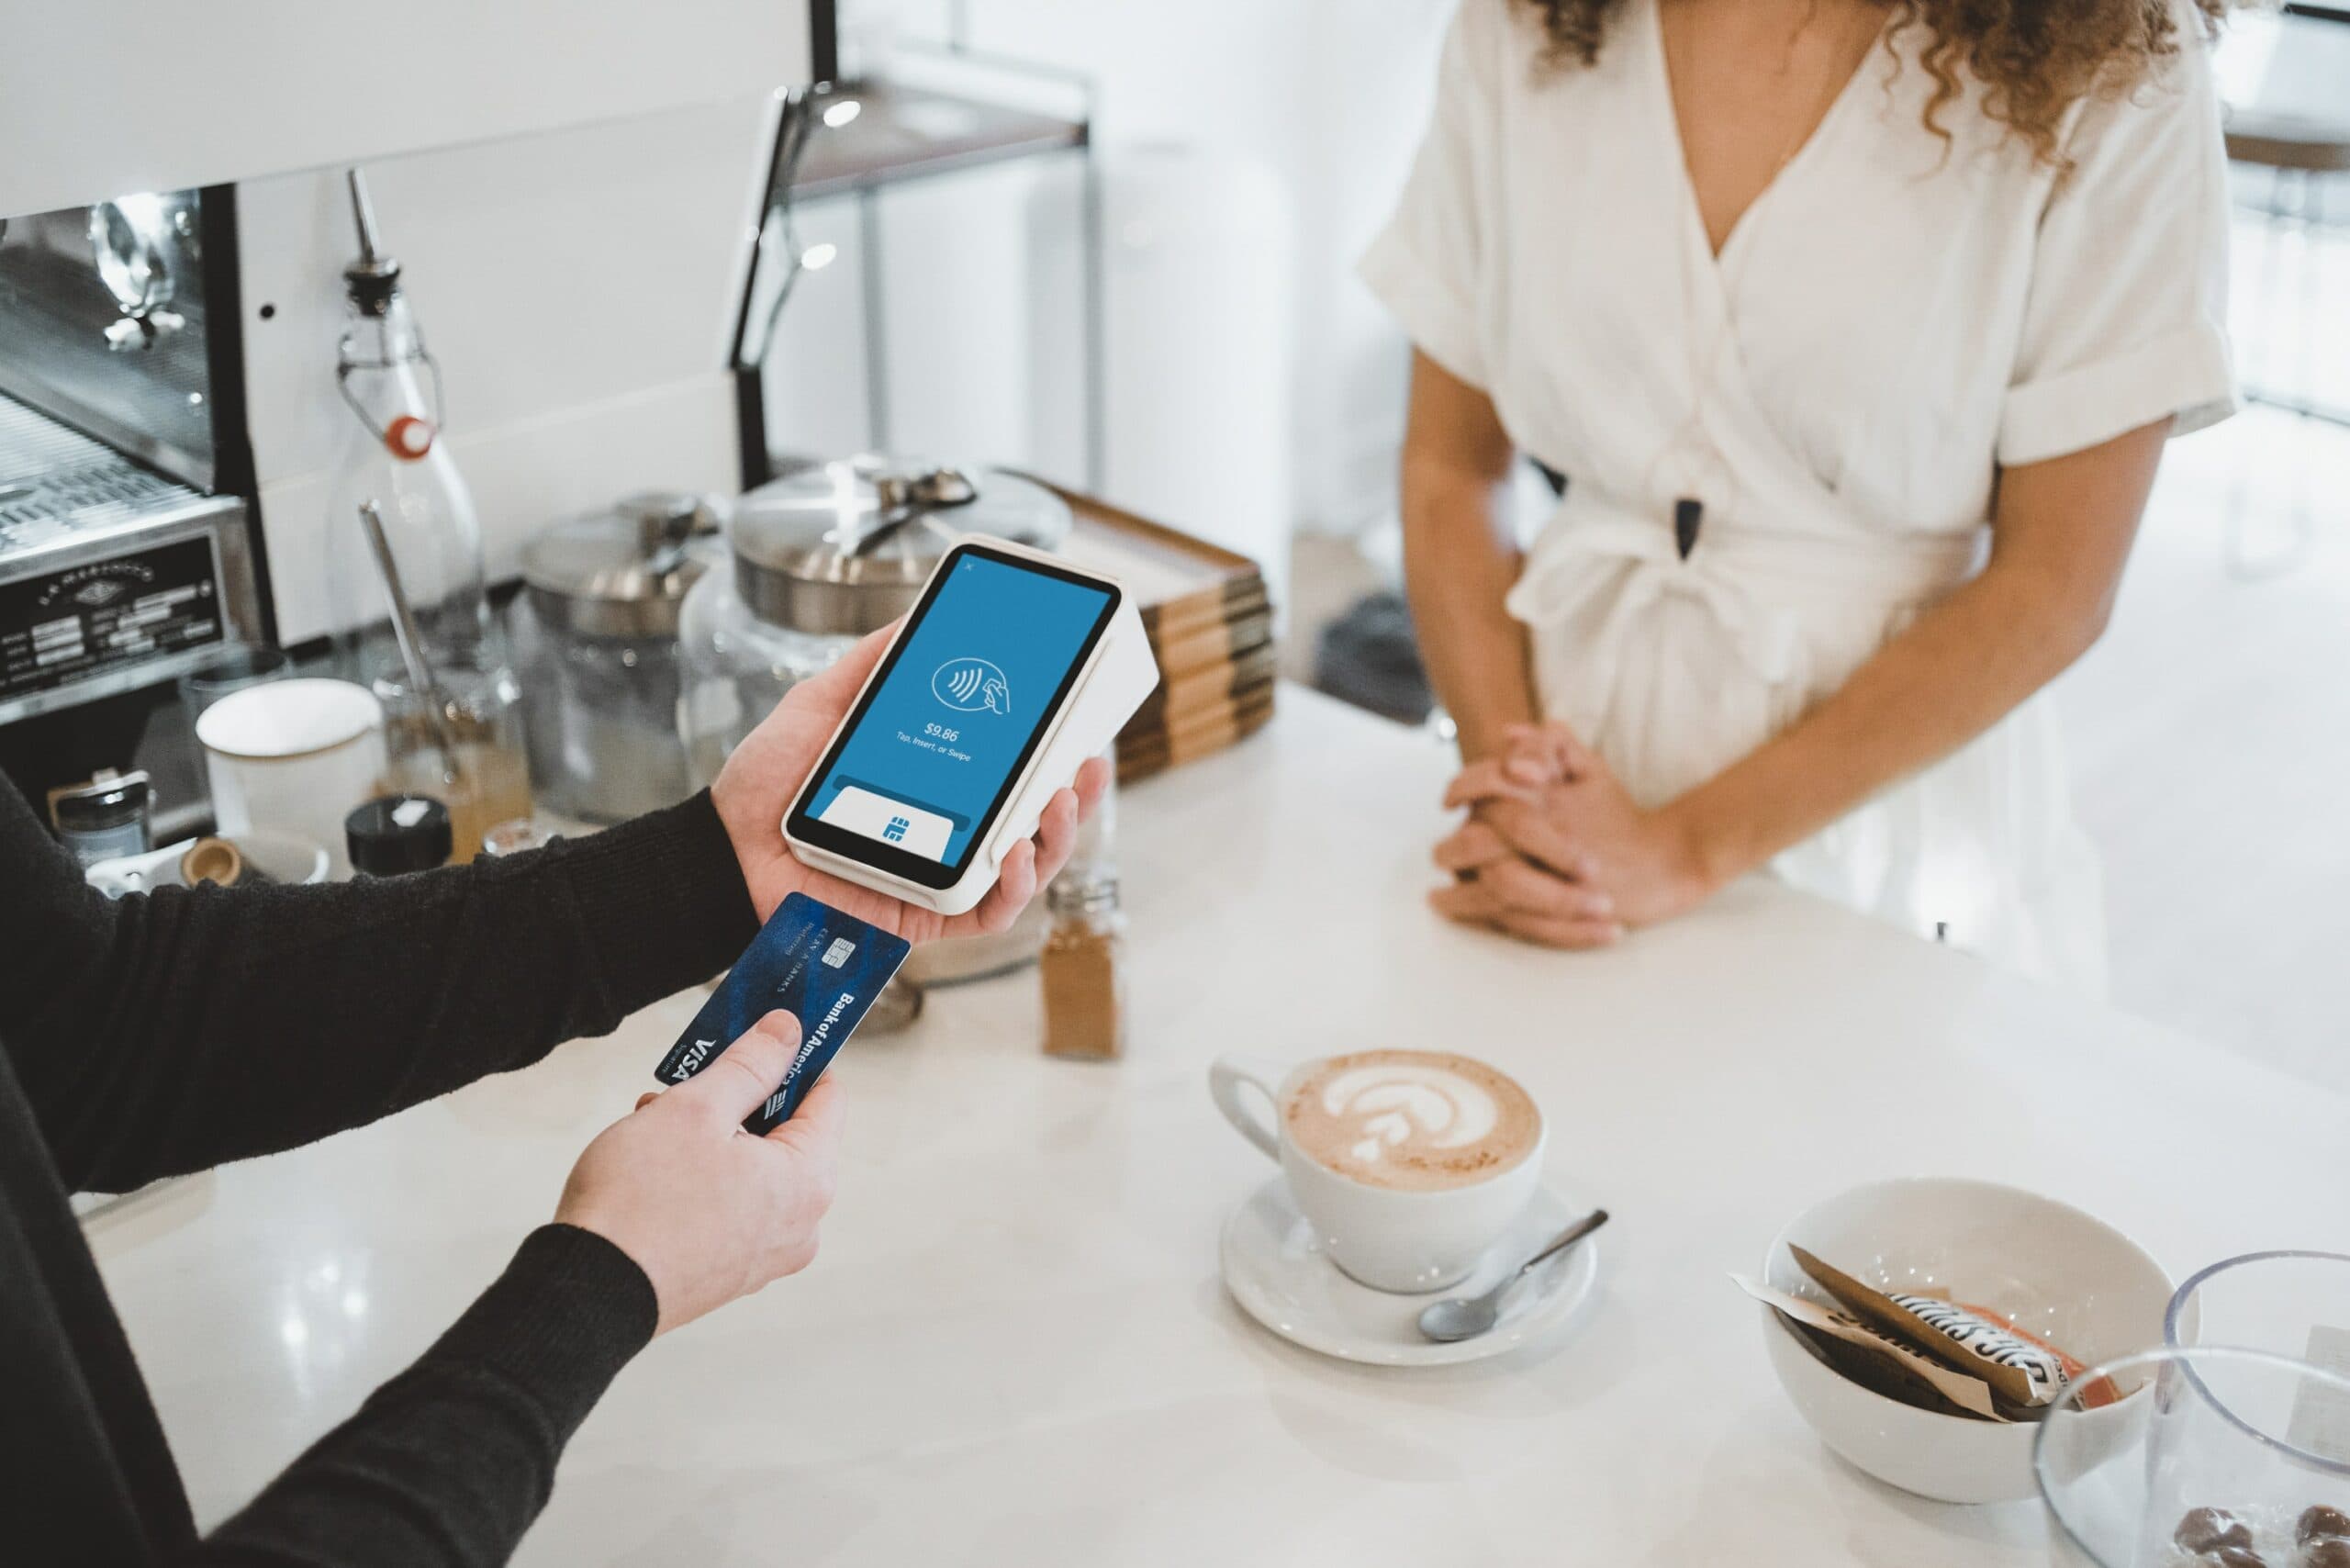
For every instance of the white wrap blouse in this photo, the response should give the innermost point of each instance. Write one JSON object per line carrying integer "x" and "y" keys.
{"x": 1892, "y": 322}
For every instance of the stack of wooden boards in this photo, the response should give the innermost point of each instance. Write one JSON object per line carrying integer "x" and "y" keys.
{"x": 1211, "y": 625}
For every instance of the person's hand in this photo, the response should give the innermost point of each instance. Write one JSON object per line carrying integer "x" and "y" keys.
{"x": 709, "y": 1212}
{"x": 1556, "y": 851}
{"x": 759, "y": 782}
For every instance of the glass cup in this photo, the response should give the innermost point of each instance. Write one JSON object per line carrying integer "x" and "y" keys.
{"x": 515, "y": 836}
{"x": 2207, "y": 1441}
{"x": 229, "y": 668}
{"x": 232, "y": 666}
{"x": 2292, "y": 1304}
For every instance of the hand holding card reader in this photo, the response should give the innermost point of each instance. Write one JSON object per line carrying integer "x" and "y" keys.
{"x": 1012, "y": 668}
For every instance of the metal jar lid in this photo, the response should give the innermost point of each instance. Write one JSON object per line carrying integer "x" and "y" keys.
{"x": 620, "y": 574}
{"x": 843, "y": 547}
{"x": 109, "y": 799}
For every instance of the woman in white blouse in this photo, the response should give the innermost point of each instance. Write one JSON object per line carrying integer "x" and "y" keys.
{"x": 1856, "y": 330}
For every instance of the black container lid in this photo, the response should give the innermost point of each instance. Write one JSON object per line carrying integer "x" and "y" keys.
{"x": 393, "y": 835}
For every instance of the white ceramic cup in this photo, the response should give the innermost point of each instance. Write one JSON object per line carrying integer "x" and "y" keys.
{"x": 294, "y": 756}
{"x": 1385, "y": 1237}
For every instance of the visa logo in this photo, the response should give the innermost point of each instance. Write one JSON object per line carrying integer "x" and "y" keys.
{"x": 690, "y": 1063}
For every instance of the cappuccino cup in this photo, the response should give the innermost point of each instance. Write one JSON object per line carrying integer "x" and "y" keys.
{"x": 1409, "y": 1165}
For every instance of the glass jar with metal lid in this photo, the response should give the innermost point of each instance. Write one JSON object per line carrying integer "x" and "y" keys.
{"x": 606, "y": 592}
{"x": 821, "y": 557}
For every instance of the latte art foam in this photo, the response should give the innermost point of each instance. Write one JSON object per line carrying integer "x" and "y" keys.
{"x": 1396, "y": 1104}
{"x": 1416, "y": 1120}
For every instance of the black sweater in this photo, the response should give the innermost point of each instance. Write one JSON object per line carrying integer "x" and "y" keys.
{"x": 163, "y": 1034}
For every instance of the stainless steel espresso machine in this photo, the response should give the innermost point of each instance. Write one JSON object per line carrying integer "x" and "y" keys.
{"x": 127, "y": 546}
{"x": 171, "y": 424}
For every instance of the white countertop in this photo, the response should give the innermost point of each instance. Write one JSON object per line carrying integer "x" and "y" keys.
{"x": 1015, "y": 1348}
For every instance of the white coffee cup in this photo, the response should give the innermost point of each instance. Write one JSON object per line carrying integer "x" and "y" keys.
{"x": 1389, "y": 1238}
{"x": 294, "y": 756}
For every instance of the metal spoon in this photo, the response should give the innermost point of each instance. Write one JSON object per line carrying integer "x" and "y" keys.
{"x": 438, "y": 708}
{"x": 1465, "y": 1317}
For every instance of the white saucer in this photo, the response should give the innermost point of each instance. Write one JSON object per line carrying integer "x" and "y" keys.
{"x": 1275, "y": 1268}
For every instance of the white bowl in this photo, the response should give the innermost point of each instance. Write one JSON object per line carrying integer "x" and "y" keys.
{"x": 281, "y": 856}
{"x": 2071, "y": 1280}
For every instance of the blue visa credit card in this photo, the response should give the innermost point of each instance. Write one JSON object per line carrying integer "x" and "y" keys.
{"x": 821, "y": 966}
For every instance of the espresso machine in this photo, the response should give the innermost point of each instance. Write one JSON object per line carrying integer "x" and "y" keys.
{"x": 126, "y": 540}
{"x": 578, "y": 243}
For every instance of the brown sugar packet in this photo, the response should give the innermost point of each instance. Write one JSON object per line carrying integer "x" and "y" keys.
{"x": 1894, "y": 1368}
{"x": 2021, "y": 1372}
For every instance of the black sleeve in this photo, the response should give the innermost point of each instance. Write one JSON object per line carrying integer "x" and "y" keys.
{"x": 446, "y": 1465}
{"x": 165, "y": 1034}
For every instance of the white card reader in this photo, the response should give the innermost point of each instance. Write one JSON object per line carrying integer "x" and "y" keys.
{"x": 1012, "y": 668}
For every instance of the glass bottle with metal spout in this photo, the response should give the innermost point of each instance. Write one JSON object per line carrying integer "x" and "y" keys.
{"x": 394, "y": 459}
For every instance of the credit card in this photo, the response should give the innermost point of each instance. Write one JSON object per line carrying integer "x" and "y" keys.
{"x": 822, "y": 966}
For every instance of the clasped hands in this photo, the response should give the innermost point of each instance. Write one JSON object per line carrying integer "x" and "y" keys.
{"x": 1555, "y": 851}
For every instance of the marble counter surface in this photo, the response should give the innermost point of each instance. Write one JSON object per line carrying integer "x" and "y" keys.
{"x": 1015, "y": 1348}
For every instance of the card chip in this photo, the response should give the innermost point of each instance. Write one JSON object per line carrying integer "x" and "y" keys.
{"x": 839, "y": 952}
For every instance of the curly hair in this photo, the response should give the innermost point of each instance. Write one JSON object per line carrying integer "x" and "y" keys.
{"x": 2034, "y": 57}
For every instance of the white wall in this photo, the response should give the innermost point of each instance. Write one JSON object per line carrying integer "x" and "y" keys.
{"x": 1332, "y": 96}
{"x": 1329, "y": 95}
{"x": 100, "y": 98}
{"x": 579, "y": 288}
{"x": 981, "y": 279}
{"x": 954, "y": 255}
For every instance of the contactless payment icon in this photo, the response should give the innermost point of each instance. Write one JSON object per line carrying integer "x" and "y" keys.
{"x": 970, "y": 685}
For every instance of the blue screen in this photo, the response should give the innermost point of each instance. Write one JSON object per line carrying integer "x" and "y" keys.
{"x": 975, "y": 679}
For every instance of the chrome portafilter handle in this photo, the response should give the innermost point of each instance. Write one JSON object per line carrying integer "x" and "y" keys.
{"x": 131, "y": 244}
